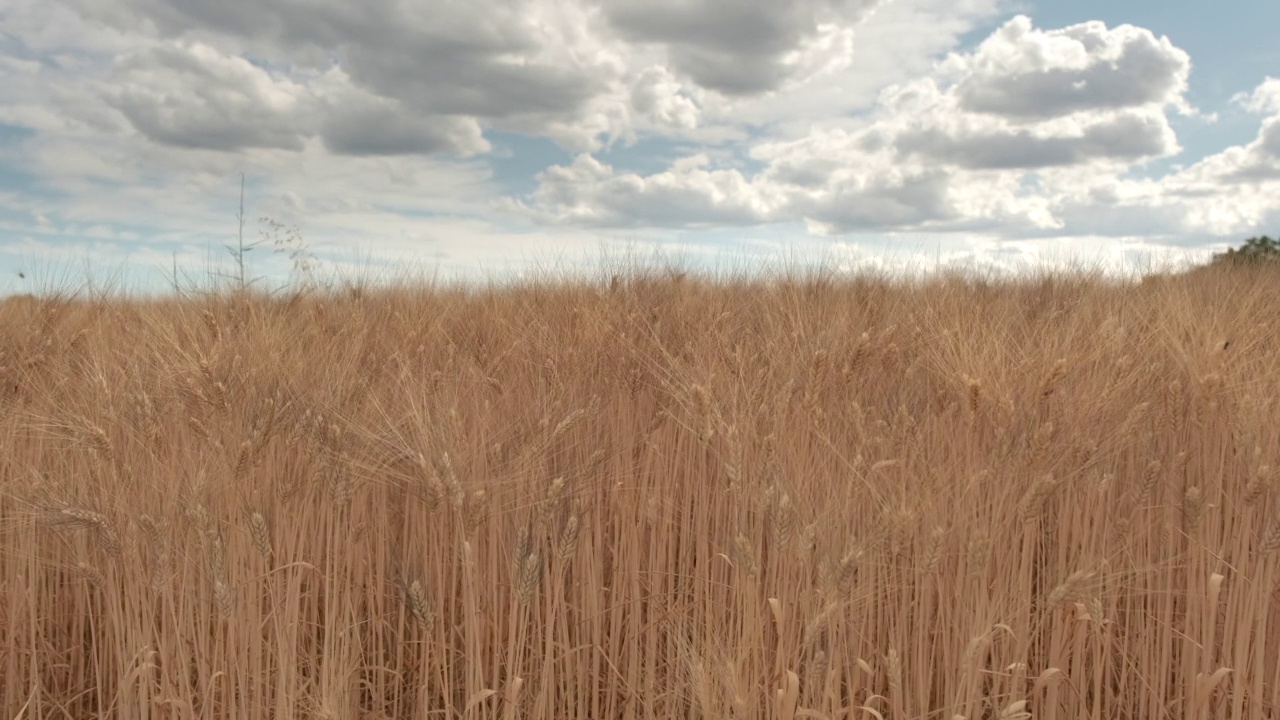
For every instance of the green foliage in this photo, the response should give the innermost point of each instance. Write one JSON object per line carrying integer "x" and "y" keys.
{"x": 1255, "y": 250}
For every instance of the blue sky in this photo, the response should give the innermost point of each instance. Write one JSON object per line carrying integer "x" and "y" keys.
{"x": 490, "y": 137}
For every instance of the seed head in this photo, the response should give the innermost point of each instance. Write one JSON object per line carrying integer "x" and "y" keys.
{"x": 1192, "y": 507}
{"x": 1072, "y": 589}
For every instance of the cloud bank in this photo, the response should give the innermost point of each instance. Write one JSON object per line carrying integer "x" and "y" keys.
{"x": 389, "y": 121}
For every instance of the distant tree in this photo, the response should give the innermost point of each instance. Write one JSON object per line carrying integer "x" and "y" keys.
{"x": 1255, "y": 250}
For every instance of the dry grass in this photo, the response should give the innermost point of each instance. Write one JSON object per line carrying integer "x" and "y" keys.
{"x": 658, "y": 498}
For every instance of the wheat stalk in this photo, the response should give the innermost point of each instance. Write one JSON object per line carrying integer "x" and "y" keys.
{"x": 1271, "y": 539}
{"x": 90, "y": 575}
{"x": 100, "y": 442}
{"x": 1149, "y": 479}
{"x": 570, "y": 534}
{"x": 96, "y": 523}
{"x": 1072, "y": 588}
{"x": 555, "y": 495}
{"x": 211, "y": 322}
{"x": 215, "y": 552}
{"x": 975, "y": 395}
{"x": 814, "y": 629}
{"x": 475, "y": 510}
{"x": 451, "y": 481}
{"x": 978, "y": 551}
{"x": 783, "y": 520}
{"x": 431, "y": 488}
{"x": 1193, "y": 503}
{"x": 223, "y": 599}
{"x": 159, "y": 544}
{"x": 932, "y": 554}
{"x": 745, "y": 556}
{"x": 893, "y": 668}
{"x": 860, "y": 350}
{"x": 530, "y": 574}
{"x": 1050, "y": 384}
{"x": 415, "y": 598}
{"x": 259, "y": 533}
{"x": 1258, "y": 485}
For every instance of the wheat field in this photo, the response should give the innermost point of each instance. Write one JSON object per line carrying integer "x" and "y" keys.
{"x": 657, "y": 497}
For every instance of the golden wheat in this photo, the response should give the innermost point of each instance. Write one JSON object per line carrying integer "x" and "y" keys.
{"x": 676, "y": 499}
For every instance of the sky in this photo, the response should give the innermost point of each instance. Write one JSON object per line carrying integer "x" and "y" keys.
{"x": 500, "y": 138}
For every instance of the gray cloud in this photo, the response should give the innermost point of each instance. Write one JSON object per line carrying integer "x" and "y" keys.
{"x": 1124, "y": 137}
{"x": 582, "y": 72}
{"x": 488, "y": 58}
{"x": 438, "y": 79}
{"x": 1027, "y": 73}
{"x": 1032, "y": 132}
{"x": 924, "y": 160}
{"x": 691, "y": 194}
{"x": 384, "y": 128}
{"x": 1258, "y": 161}
{"x": 591, "y": 194}
{"x": 194, "y": 97}
{"x": 1269, "y": 138}
{"x": 908, "y": 200}
{"x": 735, "y": 47}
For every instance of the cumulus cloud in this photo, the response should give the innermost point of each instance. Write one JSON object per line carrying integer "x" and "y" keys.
{"x": 1257, "y": 162}
{"x": 583, "y": 72}
{"x": 355, "y": 121}
{"x": 659, "y": 97}
{"x": 840, "y": 74}
{"x": 194, "y": 96}
{"x": 970, "y": 143}
{"x": 1024, "y": 72}
{"x": 347, "y": 131}
{"x": 734, "y": 47}
{"x": 493, "y": 62}
{"x": 892, "y": 200}
{"x": 486, "y": 59}
{"x": 590, "y": 193}
{"x": 1224, "y": 195}
{"x": 926, "y": 158}
{"x": 245, "y": 74}
{"x": 845, "y": 115}
{"x": 1264, "y": 99}
{"x": 1251, "y": 164}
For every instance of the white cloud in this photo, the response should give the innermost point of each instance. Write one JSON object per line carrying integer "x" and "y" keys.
{"x": 843, "y": 116}
{"x": 659, "y": 97}
{"x": 346, "y": 131}
{"x": 1246, "y": 173}
{"x": 13, "y": 66}
{"x": 1116, "y": 256}
{"x": 1264, "y": 99}
{"x": 741, "y": 48}
{"x": 1024, "y": 72}
{"x": 843, "y": 68}
{"x": 191, "y": 95}
{"x": 590, "y": 193}
{"x": 924, "y": 159}
{"x": 966, "y": 143}
{"x": 528, "y": 64}
{"x": 583, "y": 72}
{"x": 357, "y": 122}
{"x": 1231, "y": 193}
